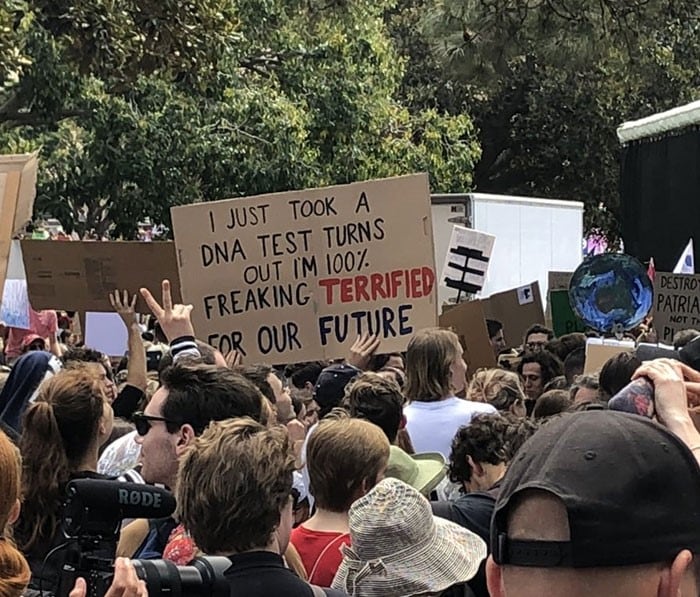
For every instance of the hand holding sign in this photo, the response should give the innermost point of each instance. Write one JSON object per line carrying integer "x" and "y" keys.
{"x": 125, "y": 308}
{"x": 174, "y": 319}
{"x": 362, "y": 350}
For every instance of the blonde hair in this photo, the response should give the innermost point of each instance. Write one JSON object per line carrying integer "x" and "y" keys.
{"x": 429, "y": 359}
{"x": 341, "y": 455}
{"x": 233, "y": 483}
{"x": 14, "y": 569}
{"x": 498, "y": 387}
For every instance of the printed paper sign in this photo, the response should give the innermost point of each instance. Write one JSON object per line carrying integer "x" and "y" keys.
{"x": 525, "y": 295}
{"x": 298, "y": 276}
{"x": 467, "y": 260}
{"x": 676, "y": 304}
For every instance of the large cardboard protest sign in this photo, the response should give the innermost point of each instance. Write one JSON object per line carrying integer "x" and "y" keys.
{"x": 676, "y": 304}
{"x": 17, "y": 192}
{"x": 467, "y": 321}
{"x": 78, "y": 276}
{"x": 467, "y": 260}
{"x": 22, "y": 167}
{"x": 517, "y": 310}
{"x": 297, "y": 276}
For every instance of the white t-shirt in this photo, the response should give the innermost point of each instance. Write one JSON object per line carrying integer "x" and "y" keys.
{"x": 433, "y": 425}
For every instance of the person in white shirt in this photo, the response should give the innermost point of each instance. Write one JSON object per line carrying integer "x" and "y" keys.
{"x": 435, "y": 373}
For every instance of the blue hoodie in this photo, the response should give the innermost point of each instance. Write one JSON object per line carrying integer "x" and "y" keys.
{"x": 24, "y": 379}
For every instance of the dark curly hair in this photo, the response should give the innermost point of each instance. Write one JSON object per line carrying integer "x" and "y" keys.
{"x": 484, "y": 439}
{"x": 492, "y": 439}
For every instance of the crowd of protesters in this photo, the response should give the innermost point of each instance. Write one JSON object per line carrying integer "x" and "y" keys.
{"x": 374, "y": 475}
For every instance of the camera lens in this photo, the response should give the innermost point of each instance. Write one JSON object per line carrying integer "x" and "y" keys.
{"x": 204, "y": 577}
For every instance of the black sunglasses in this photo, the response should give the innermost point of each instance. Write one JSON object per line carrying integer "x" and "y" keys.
{"x": 142, "y": 422}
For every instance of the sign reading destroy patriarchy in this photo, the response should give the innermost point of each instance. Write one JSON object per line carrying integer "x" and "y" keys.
{"x": 676, "y": 304}
{"x": 298, "y": 276}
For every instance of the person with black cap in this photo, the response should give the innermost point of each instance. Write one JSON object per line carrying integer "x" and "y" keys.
{"x": 603, "y": 503}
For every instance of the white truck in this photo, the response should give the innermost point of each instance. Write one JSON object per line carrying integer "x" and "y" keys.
{"x": 533, "y": 237}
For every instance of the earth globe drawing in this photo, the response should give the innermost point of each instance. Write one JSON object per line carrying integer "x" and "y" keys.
{"x": 611, "y": 292}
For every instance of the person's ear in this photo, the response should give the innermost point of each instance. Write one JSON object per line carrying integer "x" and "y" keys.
{"x": 494, "y": 578}
{"x": 477, "y": 469}
{"x": 185, "y": 437}
{"x": 676, "y": 580}
{"x": 14, "y": 512}
{"x": 402, "y": 424}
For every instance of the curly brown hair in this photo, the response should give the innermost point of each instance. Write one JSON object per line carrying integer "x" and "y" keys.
{"x": 232, "y": 485}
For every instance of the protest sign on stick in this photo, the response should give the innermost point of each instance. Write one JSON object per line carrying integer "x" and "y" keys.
{"x": 78, "y": 276}
{"x": 676, "y": 304}
{"x": 467, "y": 260}
{"x": 297, "y": 276}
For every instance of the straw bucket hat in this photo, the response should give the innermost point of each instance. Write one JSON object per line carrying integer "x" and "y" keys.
{"x": 400, "y": 549}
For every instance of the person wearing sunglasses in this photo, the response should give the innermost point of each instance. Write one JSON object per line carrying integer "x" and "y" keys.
{"x": 191, "y": 396}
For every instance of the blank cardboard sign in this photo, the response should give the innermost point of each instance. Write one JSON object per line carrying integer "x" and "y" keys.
{"x": 517, "y": 310}
{"x": 467, "y": 321}
{"x": 297, "y": 276}
{"x": 78, "y": 276}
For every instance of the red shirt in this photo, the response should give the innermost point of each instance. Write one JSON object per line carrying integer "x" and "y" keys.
{"x": 42, "y": 323}
{"x": 320, "y": 553}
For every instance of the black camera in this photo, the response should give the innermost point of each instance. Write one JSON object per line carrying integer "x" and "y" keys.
{"x": 92, "y": 517}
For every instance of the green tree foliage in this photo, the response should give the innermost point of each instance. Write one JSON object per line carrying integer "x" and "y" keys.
{"x": 547, "y": 84}
{"x": 140, "y": 105}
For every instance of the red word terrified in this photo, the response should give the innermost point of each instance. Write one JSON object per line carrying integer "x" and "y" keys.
{"x": 401, "y": 283}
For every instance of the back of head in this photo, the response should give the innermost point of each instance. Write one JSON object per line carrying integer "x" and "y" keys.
{"x": 500, "y": 388}
{"x": 258, "y": 374}
{"x": 14, "y": 570}
{"x": 484, "y": 440}
{"x": 329, "y": 390}
{"x": 564, "y": 345}
{"x": 429, "y": 357}
{"x": 302, "y": 373}
{"x": 81, "y": 354}
{"x": 574, "y": 364}
{"x": 493, "y": 326}
{"x": 342, "y": 456}
{"x": 22, "y": 383}
{"x": 59, "y": 430}
{"x": 199, "y": 394}
{"x": 232, "y": 484}
{"x": 643, "y": 512}
{"x": 617, "y": 372}
{"x": 682, "y": 338}
{"x": 551, "y": 403}
{"x": 207, "y": 356}
{"x": 377, "y": 400}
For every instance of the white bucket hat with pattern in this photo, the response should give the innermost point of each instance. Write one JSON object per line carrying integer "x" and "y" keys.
{"x": 400, "y": 549}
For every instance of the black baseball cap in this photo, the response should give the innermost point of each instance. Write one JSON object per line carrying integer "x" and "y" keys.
{"x": 329, "y": 390}
{"x": 630, "y": 487}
